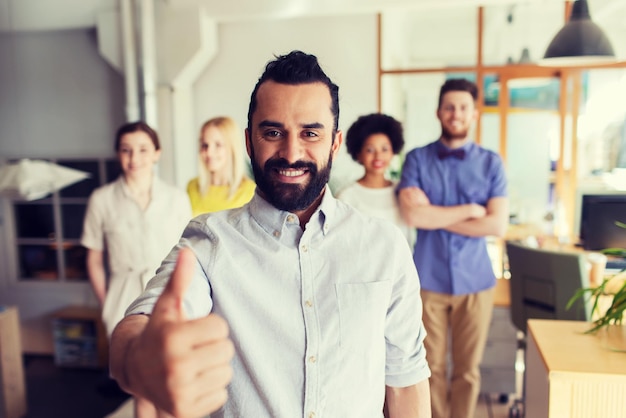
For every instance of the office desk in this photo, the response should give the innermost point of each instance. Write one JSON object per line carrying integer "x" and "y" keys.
{"x": 570, "y": 374}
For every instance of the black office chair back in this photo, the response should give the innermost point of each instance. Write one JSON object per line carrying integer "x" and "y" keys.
{"x": 542, "y": 283}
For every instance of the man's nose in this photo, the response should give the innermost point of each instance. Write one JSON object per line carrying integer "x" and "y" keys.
{"x": 456, "y": 113}
{"x": 291, "y": 149}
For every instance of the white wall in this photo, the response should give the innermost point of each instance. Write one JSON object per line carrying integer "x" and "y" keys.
{"x": 344, "y": 45}
{"x": 58, "y": 97}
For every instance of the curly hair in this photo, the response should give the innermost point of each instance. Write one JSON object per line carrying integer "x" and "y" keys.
{"x": 375, "y": 123}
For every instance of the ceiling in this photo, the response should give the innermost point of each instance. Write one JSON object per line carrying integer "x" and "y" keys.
{"x": 536, "y": 21}
{"x": 34, "y": 15}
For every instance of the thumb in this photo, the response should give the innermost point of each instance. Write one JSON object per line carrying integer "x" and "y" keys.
{"x": 169, "y": 307}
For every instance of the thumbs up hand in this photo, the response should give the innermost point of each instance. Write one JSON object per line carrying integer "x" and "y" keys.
{"x": 182, "y": 366}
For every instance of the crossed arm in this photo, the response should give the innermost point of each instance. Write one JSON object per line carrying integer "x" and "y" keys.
{"x": 470, "y": 219}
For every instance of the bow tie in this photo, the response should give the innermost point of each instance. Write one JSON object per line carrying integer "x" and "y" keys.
{"x": 443, "y": 153}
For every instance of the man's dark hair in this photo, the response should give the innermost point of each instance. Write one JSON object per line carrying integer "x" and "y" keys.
{"x": 375, "y": 123}
{"x": 138, "y": 126}
{"x": 458, "y": 84}
{"x": 296, "y": 68}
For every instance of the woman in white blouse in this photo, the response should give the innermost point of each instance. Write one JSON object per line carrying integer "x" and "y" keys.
{"x": 132, "y": 224}
{"x": 372, "y": 141}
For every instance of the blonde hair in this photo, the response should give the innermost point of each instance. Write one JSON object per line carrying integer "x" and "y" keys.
{"x": 235, "y": 168}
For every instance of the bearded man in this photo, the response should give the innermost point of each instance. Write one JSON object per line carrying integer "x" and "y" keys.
{"x": 454, "y": 192}
{"x": 317, "y": 305}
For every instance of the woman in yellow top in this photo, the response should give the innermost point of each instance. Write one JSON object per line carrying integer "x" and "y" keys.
{"x": 222, "y": 183}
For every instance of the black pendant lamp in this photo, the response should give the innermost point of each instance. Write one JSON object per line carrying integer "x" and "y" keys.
{"x": 579, "y": 42}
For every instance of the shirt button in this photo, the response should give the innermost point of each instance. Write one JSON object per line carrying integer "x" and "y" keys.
{"x": 311, "y": 414}
{"x": 276, "y": 234}
{"x": 304, "y": 248}
{"x": 308, "y": 304}
{"x": 312, "y": 359}
{"x": 291, "y": 218}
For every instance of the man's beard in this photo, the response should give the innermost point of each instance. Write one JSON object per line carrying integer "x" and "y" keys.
{"x": 286, "y": 196}
{"x": 449, "y": 136}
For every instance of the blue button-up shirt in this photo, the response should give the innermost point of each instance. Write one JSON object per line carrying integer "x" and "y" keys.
{"x": 447, "y": 262}
{"x": 321, "y": 318}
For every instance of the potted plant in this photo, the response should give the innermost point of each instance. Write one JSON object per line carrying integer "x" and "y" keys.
{"x": 610, "y": 322}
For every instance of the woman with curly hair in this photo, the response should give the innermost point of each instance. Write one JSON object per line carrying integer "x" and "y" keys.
{"x": 372, "y": 141}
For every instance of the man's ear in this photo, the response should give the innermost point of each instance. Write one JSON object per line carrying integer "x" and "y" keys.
{"x": 475, "y": 118}
{"x": 337, "y": 143}
{"x": 248, "y": 144}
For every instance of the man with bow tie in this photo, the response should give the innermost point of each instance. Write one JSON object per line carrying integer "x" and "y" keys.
{"x": 454, "y": 192}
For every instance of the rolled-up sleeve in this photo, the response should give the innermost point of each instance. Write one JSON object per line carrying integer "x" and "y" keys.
{"x": 406, "y": 355}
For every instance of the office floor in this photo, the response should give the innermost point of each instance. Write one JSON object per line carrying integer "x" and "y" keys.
{"x": 53, "y": 392}
{"x": 61, "y": 392}
{"x": 488, "y": 406}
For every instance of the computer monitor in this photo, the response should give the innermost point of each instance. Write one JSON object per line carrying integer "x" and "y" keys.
{"x": 598, "y": 214}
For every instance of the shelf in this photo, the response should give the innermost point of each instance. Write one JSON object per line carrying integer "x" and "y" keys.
{"x": 79, "y": 338}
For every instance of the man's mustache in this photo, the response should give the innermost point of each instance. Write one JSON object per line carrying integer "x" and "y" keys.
{"x": 283, "y": 164}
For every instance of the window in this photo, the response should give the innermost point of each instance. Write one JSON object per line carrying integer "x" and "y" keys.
{"x": 48, "y": 230}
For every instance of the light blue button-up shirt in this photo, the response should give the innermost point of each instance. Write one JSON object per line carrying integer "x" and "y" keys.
{"x": 322, "y": 319}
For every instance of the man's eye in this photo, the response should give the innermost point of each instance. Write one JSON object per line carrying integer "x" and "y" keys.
{"x": 272, "y": 134}
{"x": 310, "y": 135}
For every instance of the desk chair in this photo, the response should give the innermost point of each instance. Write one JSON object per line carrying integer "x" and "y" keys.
{"x": 542, "y": 282}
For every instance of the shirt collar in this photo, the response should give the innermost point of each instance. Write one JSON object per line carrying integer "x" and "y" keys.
{"x": 154, "y": 187}
{"x": 467, "y": 147}
{"x": 272, "y": 219}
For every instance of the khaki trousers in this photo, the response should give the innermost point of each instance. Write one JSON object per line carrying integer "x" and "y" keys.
{"x": 463, "y": 321}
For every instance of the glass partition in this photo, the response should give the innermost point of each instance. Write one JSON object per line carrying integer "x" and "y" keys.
{"x": 602, "y": 124}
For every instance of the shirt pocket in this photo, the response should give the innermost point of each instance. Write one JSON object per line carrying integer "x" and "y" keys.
{"x": 362, "y": 314}
{"x": 474, "y": 189}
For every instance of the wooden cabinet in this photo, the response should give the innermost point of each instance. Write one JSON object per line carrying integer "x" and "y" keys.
{"x": 79, "y": 338}
{"x": 570, "y": 374}
{"x": 12, "y": 385}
